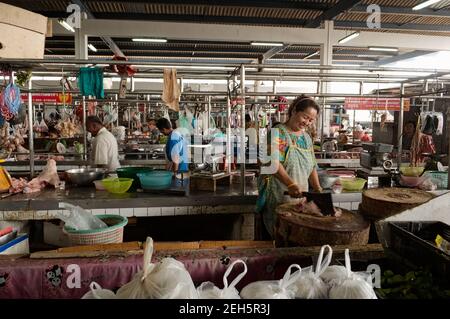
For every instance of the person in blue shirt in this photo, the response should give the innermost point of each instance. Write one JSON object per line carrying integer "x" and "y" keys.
{"x": 176, "y": 148}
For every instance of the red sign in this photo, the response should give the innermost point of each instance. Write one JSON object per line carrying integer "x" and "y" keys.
{"x": 49, "y": 97}
{"x": 372, "y": 104}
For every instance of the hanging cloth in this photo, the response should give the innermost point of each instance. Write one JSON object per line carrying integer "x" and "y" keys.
{"x": 90, "y": 82}
{"x": 171, "y": 90}
{"x": 299, "y": 164}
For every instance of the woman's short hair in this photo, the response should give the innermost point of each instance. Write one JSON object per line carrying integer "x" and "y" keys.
{"x": 163, "y": 123}
{"x": 301, "y": 103}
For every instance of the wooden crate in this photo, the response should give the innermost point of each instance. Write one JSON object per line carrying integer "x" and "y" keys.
{"x": 23, "y": 33}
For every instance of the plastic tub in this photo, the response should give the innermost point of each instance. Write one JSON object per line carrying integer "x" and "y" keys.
{"x": 412, "y": 181}
{"x": 130, "y": 172}
{"x": 353, "y": 184}
{"x": 155, "y": 179}
{"x": 412, "y": 171}
{"x": 99, "y": 185}
{"x": 117, "y": 185}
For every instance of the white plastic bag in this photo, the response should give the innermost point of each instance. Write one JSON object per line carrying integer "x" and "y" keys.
{"x": 352, "y": 286}
{"x": 310, "y": 285}
{"x": 79, "y": 219}
{"x": 207, "y": 290}
{"x": 273, "y": 289}
{"x": 97, "y": 292}
{"x": 167, "y": 279}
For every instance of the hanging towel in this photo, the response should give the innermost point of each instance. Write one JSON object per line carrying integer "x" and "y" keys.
{"x": 90, "y": 82}
{"x": 171, "y": 90}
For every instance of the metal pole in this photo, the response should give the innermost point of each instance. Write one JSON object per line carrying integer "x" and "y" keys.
{"x": 400, "y": 125}
{"x": 242, "y": 144}
{"x": 30, "y": 131}
{"x": 208, "y": 113}
{"x": 84, "y": 129}
{"x": 228, "y": 141}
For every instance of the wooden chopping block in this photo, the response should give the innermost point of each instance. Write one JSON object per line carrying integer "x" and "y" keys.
{"x": 297, "y": 229}
{"x": 380, "y": 203}
{"x": 235, "y": 244}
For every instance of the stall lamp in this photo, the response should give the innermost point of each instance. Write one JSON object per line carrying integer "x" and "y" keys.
{"x": 383, "y": 49}
{"x": 425, "y": 4}
{"x": 349, "y": 37}
{"x": 66, "y": 25}
{"x": 311, "y": 55}
{"x": 149, "y": 40}
{"x": 268, "y": 44}
{"x": 92, "y": 48}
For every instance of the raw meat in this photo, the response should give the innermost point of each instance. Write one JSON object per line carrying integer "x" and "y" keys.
{"x": 310, "y": 208}
{"x": 49, "y": 175}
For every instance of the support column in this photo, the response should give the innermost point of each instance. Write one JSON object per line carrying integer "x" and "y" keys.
{"x": 81, "y": 45}
{"x": 326, "y": 59}
{"x": 400, "y": 125}
{"x": 242, "y": 130}
{"x": 30, "y": 129}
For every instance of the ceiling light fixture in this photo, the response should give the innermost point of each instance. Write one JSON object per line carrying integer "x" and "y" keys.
{"x": 269, "y": 44}
{"x": 349, "y": 37}
{"x": 66, "y": 25}
{"x": 149, "y": 40}
{"x": 311, "y": 55}
{"x": 425, "y": 4}
{"x": 92, "y": 48}
{"x": 383, "y": 49}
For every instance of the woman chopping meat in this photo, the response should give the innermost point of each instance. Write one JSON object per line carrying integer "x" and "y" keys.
{"x": 292, "y": 156}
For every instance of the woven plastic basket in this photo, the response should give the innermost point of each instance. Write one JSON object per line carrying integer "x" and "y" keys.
{"x": 112, "y": 234}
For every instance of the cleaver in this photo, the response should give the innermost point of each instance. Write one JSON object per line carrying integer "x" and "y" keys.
{"x": 322, "y": 200}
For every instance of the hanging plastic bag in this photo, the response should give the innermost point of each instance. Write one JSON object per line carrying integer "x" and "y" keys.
{"x": 208, "y": 290}
{"x": 310, "y": 285}
{"x": 352, "y": 286}
{"x": 166, "y": 114}
{"x": 79, "y": 219}
{"x": 43, "y": 126}
{"x": 273, "y": 289}
{"x": 97, "y": 292}
{"x": 167, "y": 279}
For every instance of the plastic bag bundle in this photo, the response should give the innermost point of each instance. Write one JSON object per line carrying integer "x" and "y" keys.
{"x": 352, "y": 286}
{"x": 167, "y": 279}
{"x": 310, "y": 285}
{"x": 79, "y": 219}
{"x": 273, "y": 289}
{"x": 97, "y": 292}
{"x": 207, "y": 290}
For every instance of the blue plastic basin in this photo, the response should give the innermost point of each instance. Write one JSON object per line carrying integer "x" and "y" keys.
{"x": 155, "y": 179}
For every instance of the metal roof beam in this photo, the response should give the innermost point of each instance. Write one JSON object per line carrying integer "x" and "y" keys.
{"x": 246, "y": 33}
{"x": 109, "y": 42}
{"x": 394, "y": 26}
{"x": 305, "y": 5}
{"x": 400, "y": 57}
{"x": 426, "y": 12}
{"x": 333, "y": 12}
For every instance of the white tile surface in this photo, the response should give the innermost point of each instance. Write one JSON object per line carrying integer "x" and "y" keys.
{"x": 181, "y": 210}
{"x": 98, "y": 211}
{"x": 1, "y": 214}
{"x": 355, "y": 205}
{"x": 167, "y": 211}
{"x": 127, "y": 212}
{"x": 53, "y": 213}
{"x": 195, "y": 210}
{"x": 154, "y": 211}
{"x": 40, "y": 214}
{"x": 346, "y": 206}
{"x": 112, "y": 211}
{"x": 208, "y": 210}
{"x": 140, "y": 212}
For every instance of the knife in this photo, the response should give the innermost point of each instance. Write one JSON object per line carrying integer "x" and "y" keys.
{"x": 322, "y": 200}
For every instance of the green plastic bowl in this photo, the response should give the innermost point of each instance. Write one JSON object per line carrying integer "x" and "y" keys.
{"x": 130, "y": 172}
{"x": 412, "y": 171}
{"x": 117, "y": 185}
{"x": 353, "y": 184}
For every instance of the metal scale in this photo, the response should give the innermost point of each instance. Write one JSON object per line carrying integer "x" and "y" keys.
{"x": 376, "y": 161}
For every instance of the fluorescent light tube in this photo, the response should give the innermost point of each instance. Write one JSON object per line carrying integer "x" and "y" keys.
{"x": 383, "y": 49}
{"x": 270, "y": 44}
{"x": 349, "y": 37}
{"x": 66, "y": 25}
{"x": 425, "y": 4}
{"x": 311, "y": 55}
{"x": 92, "y": 48}
{"x": 149, "y": 40}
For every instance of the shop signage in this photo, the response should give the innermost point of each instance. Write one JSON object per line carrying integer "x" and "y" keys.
{"x": 374, "y": 104}
{"x": 48, "y": 98}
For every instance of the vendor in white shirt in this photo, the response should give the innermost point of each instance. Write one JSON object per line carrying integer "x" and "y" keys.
{"x": 105, "y": 151}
